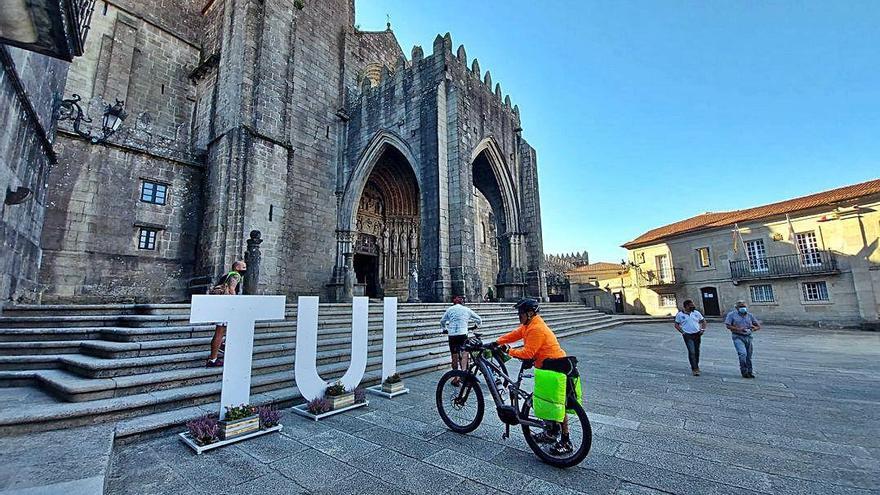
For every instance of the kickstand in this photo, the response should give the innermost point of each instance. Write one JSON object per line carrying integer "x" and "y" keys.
{"x": 506, "y": 433}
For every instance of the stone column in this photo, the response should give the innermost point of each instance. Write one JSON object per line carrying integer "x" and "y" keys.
{"x": 336, "y": 287}
{"x": 252, "y": 257}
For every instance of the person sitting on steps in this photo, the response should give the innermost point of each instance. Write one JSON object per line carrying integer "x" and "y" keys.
{"x": 541, "y": 345}
{"x": 229, "y": 284}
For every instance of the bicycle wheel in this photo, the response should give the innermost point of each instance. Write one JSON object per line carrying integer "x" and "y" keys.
{"x": 461, "y": 407}
{"x": 580, "y": 435}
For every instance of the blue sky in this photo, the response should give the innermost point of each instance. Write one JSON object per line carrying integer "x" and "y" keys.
{"x": 648, "y": 112}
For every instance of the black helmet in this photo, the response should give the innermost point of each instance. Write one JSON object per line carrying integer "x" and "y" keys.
{"x": 527, "y": 304}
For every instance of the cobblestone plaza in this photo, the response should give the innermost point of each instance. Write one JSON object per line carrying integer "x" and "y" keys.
{"x": 806, "y": 425}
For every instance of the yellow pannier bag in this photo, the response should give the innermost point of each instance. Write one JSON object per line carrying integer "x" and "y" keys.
{"x": 549, "y": 397}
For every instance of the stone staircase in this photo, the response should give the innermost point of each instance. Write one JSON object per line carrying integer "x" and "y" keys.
{"x": 142, "y": 366}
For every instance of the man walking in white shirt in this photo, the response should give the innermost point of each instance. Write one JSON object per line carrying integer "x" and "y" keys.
{"x": 455, "y": 322}
{"x": 691, "y": 325}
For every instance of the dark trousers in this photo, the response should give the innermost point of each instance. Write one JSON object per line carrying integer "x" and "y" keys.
{"x": 692, "y": 341}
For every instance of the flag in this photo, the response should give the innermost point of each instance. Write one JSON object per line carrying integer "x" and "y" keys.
{"x": 792, "y": 238}
{"x": 735, "y": 233}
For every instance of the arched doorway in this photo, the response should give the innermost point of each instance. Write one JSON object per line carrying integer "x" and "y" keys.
{"x": 498, "y": 264}
{"x": 387, "y": 228}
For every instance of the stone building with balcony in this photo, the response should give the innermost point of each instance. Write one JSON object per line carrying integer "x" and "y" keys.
{"x": 809, "y": 260}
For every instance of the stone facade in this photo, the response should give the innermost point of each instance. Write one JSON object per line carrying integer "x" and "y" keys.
{"x": 30, "y": 84}
{"x": 821, "y": 266}
{"x": 353, "y": 161}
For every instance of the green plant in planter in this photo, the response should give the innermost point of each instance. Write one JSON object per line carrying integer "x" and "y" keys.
{"x": 234, "y": 413}
{"x": 298, "y": 4}
{"x": 395, "y": 378}
{"x": 336, "y": 389}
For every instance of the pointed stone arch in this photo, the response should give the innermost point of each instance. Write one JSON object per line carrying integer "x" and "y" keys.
{"x": 506, "y": 183}
{"x": 354, "y": 187}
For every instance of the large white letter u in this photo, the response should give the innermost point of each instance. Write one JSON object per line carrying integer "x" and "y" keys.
{"x": 310, "y": 384}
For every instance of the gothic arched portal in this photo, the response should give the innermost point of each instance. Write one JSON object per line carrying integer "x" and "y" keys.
{"x": 499, "y": 263}
{"x": 387, "y": 228}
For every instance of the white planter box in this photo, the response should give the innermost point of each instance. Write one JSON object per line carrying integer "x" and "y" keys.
{"x": 187, "y": 439}
{"x": 303, "y": 410}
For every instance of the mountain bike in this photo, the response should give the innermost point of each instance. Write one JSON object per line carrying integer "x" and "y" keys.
{"x": 461, "y": 404}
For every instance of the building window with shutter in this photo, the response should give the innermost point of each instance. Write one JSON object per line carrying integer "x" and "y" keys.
{"x": 815, "y": 291}
{"x": 757, "y": 255}
{"x": 704, "y": 256}
{"x": 762, "y": 293}
{"x": 147, "y": 238}
{"x": 668, "y": 301}
{"x": 153, "y": 192}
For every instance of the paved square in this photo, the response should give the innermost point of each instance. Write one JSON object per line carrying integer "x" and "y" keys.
{"x": 806, "y": 425}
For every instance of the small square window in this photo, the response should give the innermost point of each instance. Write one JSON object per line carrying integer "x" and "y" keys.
{"x": 153, "y": 192}
{"x": 147, "y": 238}
{"x": 704, "y": 256}
{"x": 640, "y": 257}
{"x": 762, "y": 293}
{"x": 667, "y": 301}
{"x": 815, "y": 291}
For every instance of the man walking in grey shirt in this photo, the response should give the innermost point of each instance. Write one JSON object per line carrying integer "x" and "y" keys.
{"x": 741, "y": 324}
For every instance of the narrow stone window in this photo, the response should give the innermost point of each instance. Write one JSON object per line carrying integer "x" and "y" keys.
{"x": 105, "y": 8}
{"x": 147, "y": 238}
{"x": 153, "y": 192}
{"x": 271, "y": 209}
{"x": 163, "y": 89}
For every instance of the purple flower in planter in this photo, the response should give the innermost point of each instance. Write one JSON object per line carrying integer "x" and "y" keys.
{"x": 204, "y": 430}
{"x": 360, "y": 395}
{"x": 269, "y": 416}
{"x": 318, "y": 406}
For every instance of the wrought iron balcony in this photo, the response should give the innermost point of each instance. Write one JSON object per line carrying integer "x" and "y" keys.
{"x": 658, "y": 280}
{"x": 57, "y": 28}
{"x": 785, "y": 266}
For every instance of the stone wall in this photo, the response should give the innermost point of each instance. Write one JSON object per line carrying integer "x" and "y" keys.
{"x": 95, "y": 215}
{"x": 95, "y": 212}
{"x": 29, "y": 86}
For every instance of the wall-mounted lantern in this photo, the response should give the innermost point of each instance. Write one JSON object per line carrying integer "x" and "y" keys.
{"x": 114, "y": 115}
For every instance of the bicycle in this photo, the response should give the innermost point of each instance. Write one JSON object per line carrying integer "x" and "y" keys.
{"x": 462, "y": 406}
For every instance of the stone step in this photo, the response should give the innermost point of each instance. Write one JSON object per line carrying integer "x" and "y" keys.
{"x": 73, "y": 388}
{"x": 183, "y": 308}
{"x": 194, "y": 331}
{"x": 326, "y": 314}
{"x": 275, "y": 388}
{"x": 40, "y": 347}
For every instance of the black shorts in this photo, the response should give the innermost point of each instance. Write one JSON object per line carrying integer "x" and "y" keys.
{"x": 566, "y": 365}
{"x": 455, "y": 342}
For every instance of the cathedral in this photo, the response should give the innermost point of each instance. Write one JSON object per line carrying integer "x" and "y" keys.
{"x": 367, "y": 170}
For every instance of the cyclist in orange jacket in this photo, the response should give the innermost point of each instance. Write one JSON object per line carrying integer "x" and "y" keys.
{"x": 541, "y": 345}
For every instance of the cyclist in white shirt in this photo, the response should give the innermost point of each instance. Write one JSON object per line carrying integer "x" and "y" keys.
{"x": 691, "y": 325}
{"x": 455, "y": 322}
